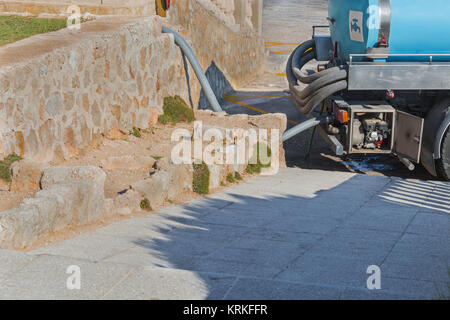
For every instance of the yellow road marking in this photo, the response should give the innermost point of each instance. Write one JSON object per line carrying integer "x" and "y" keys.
{"x": 274, "y": 44}
{"x": 230, "y": 98}
{"x": 284, "y": 51}
{"x": 281, "y": 74}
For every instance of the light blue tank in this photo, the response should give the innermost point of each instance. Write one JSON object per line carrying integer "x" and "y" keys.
{"x": 415, "y": 27}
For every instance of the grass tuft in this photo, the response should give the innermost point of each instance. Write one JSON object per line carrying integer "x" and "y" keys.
{"x": 230, "y": 178}
{"x": 145, "y": 205}
{"x": 136, "y": 132}
{"x": 15, "y": 28}
{"x": 5, "y": 166}
{"x": 200, "y": 181}
{"x": 237, "y": 176}
{"x": 176, "y": 110}
{"x": 255, "y": 164}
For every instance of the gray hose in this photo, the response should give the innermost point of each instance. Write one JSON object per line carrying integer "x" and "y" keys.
{"x": 305, "y": 125}
{"x": 310, "y": 78}
{"x": 321, "y": 82}
{"x": 300, "y": 51}
{"x": 319, "y": 96}
{"x": 187, "y": 50}
{"x": 303, "y": 61}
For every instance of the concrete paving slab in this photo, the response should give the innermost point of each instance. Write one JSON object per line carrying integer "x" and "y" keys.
{"x": 279, "y": 258}
{"x": 12, "y": 261}
{"x": 430, "y": 223}
{"x": 146, "y": 257}
{"x": 418, "y": 289}
{"x": 252, "y": 219}
{"x": 365, "y": 294}
{"x": 303, "y": 239}
{"x": 431, "y": 269}
{"x": 298, "y": 223}
{"x": 388, "y": 219}
{"x": 326, "y": 270}
{"x": 170, "y": 284}
{"x": 142, "y": 228}
{"x": 205, "y": 231}
{"x": 48, "y": 275}
{"x": 263, "y": 289}
{"x": 418, "y": 247}
{"x": 94, "y": 254}
{"x": 12, "y": 293}
{"x": 236, "y": 268}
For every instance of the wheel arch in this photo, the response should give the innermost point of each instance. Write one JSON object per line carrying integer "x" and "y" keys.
{"x": 436, "y": 124}
{"x": 440, "y": 136}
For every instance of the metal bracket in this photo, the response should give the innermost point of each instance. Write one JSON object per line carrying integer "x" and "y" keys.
{"x": 324, "y": 47}
{"x": 331, "y": 140}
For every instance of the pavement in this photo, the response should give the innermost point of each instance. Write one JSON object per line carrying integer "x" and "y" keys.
{"x": 300, "y": 234}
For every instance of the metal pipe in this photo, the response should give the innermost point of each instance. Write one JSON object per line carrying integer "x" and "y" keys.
{"x": 189, "y": 53}
{"x": 407, "y": 163}
{"x": 305, "y": 125}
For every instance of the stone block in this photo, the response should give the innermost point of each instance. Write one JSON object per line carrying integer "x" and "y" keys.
{"x": 154, "y": 188}
{"x": 127, "y": 203}
{"x": 26, "y": 175}
{"x": 59, "y": 174}
{"x": 216, "y": 175}
{"x": 18, "y": 227}
{"x": 127, "y": 162}
{"x": 4, "y": 186}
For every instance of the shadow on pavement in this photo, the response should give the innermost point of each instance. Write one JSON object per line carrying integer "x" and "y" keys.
{"x": 308, "y": 247}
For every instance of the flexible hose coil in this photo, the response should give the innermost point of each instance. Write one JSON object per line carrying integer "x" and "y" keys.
{"x": 321, "y": 85}
{"x": 321, "y": 82}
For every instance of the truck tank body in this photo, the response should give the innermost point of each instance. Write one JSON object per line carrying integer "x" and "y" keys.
{"x": 407, "y": 27}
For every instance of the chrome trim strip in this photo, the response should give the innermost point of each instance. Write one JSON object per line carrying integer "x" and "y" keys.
{"x": 385, "y": 21}
{"x": 386, "y": 55}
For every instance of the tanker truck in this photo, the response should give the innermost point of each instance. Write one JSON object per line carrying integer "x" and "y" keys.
{"x": 377, "y": 81}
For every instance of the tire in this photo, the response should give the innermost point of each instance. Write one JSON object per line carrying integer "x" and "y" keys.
{"x": 443, "y": 164}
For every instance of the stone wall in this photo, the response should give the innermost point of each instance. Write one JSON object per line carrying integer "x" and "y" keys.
{"x": 213, "y": 41}
{"x": 62, "y": 91}
{"x": 97, "y": 7}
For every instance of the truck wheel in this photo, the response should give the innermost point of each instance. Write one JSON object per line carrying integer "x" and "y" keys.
{"x": 443, "y": 164}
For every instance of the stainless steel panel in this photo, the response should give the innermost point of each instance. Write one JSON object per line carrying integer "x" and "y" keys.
{"x": 385, "y": 21}
{"x": 408, "y": 136}
{"x": 399, "y": 76}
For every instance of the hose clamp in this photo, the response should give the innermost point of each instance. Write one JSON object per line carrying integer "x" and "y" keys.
{"x": 385, "y": 22}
